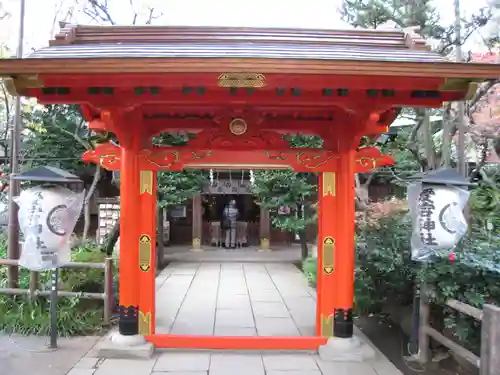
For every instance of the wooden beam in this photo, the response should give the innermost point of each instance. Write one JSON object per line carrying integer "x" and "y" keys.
{"x": 157, "y": 126}
{"x": 180, "y": 80}
{"x": 403, "y": 69}
{"x": 222, "y": 99}
{"x": 180, "y": 158}
{"x": 240, "y": 342}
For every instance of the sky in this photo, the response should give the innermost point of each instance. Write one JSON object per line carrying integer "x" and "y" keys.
{"x": 271, "y": 13}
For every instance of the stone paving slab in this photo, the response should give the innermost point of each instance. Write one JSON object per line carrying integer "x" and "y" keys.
{"x": 234, "y": 299}
{"x": 254, "y": 298}
{"x": 178, "y": 362}
{"x": 126, "y": 366}
{"x": 289, "y": 362}
{"x": 21, "y": 355}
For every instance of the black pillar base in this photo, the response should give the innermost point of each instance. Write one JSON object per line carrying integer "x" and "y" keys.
{"x": 343, "y": 325}
{"x": 128, "y": 321}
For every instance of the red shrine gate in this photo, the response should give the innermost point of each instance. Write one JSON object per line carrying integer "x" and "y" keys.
{"x": 240, "y": 98}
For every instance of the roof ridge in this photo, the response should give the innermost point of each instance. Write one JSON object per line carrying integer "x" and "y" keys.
{"x": 87, "y": 34}
{"x": 66, "y": 34}
{"x": 414, "y": 40}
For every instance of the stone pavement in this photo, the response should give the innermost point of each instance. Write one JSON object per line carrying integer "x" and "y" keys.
{"x": 20, "y": 355}
{"x": 231, "y": 363}
{"x": 236, "y": 299}
{"x": 233, "y": 299}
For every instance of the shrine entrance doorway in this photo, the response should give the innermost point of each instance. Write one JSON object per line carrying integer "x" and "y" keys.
{"x": 335, "y": 170}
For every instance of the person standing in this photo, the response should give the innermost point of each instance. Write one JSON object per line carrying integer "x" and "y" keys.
{"x": 229, "y": 218}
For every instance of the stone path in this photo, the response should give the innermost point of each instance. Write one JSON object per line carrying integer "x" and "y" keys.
{"x": 230, "y": 363}
{"x": 236, "y": 299}
{"x": 20, "y": 355}
{"x": 233, "y": 299}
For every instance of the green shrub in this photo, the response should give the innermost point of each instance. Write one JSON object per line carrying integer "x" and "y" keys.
{"x": 75, "y": 316}
{"x": 19, "y": 315}
{"x": 310, "y": 269}
{"x": 85, "y": 279}
{"x": 485, "y": 199}
{"x": 385, "y": 273}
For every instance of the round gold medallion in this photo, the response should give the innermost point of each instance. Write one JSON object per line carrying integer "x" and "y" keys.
{"x": 237, "y": 126}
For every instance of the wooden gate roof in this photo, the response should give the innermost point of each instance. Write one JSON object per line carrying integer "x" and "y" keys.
{"x": 301, "y": 74}
{"x": 169, "y": 49}
{"x": 210, "y": 42}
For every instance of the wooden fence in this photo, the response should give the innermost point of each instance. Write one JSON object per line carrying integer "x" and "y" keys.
{"x": 33, "y": 291}
{"x": 489, "y": 360}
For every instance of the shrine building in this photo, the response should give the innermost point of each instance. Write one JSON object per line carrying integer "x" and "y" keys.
{"x": 240, "y": 90}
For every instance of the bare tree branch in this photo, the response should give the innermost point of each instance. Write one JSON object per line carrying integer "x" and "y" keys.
{"x": 480, "y": 93}
{"x": 472, "y": 106}
{"x": 99, "y": 11}
{"x": 6, "y": 102}
{"x": 55, "y": 19}
{"x": 451, "y": 42}
{"x": 134, "y": 19}
{"x": 152, "y": 16}
{"x": 478, "y": 20}
{"x": 3, "y": 13}
{"x": 8, "y": 123}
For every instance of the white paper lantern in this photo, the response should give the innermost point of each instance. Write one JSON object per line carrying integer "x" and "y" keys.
{"x": 440, "y": 220}
{"x": 47, "y": 217}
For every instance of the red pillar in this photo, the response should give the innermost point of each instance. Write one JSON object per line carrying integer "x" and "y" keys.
{"x": 137, "y": 224}
{"x": 344, "y": 246}
{"x": 129, "y": 213}
{"x": 327, "y": 234}
{"x": 147, "y": 251}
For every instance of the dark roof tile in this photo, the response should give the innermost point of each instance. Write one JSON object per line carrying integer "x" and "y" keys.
{"x": 237, "y": 50}
{"x": 212, "y": 42}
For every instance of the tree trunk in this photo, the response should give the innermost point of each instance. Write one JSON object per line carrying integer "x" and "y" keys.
{"x": 446, "y": 137}
{"x": 304, "y": 250}
{"x": 362, "y": 193}
{"x": 430, "y": 155}
{"x": 113, "y": 236}
{"x": 86, "y": 205}
{"x": 302, "y": 234}
{"x": 496, "y": 146}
